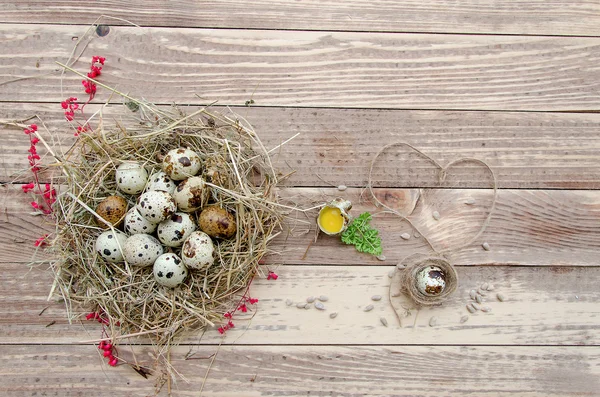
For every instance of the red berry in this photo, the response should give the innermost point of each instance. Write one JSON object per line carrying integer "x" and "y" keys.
{"x": 108, "y": 346}
{"x": 113, "y": 362}
{"x": 107, "y": 353}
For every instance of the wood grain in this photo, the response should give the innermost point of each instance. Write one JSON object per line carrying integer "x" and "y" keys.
{"x": 308, "y": 69}
{"x": 313, "y": 370}
{"x": 544, "y": 306}
{"x": 528, "y": 228}
{"x": 335, "y": 146}
{"x": 580, "y": 18}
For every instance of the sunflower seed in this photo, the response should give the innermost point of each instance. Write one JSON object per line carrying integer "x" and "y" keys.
{"x": 396, "y": 294}
{"x": 473, "y": 294}
{"x": 500, "y": 297}
{"x": 307, "y": 306}
{"x": 416, "y": 235}
{"x": 341, "y": 188}
{"x": 369, "y": 308}
{"x": 333, "y": 315}
{"x": 289, "y": 302}
{"x": 376, "y": 298}
{"x": 323, "y": 298}
{"x": 470, "y": 201}
{"x": 484, "y": 286}
{"x": 478, "y": 299}
{"x": 300, "y": 305}
{"x": 436, "y": 215}
{"x": 490, "y": 287}
{"x": 471, "y": 308}
{"x": 310, "y": 299}
{"x": 475, "y": 306}
{"x": 486, "y": 309}
{"x": 380, "y": 257}
{"x": 405, "y": 236}
{"x": 481, "y": 292}
{"x": 319, "y": 306}
{"x": 486, "y": 246}
{"x": 433, "y": 321}
{"x": 464, "y": 319}
{"x": 391, "y": 273}
{"x": 383, "y": 321}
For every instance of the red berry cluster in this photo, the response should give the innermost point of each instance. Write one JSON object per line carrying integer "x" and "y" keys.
{"x": 48, "y": 193}
{"x": 242, "y": 307}
{"x": 272, "y": 275}
{"x": 95, "y": 71}
{"x": 108, "y": 352}
{"x": 70, "y": 106}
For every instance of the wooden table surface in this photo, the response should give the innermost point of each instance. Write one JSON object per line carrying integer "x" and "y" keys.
{"x": 513, "y": 83}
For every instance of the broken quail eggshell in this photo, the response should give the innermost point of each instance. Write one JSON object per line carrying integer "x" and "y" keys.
{"x": 431, "y": 281}
{"x": 190, "y": 194}
{"x": 197, "y": 251}
{"x": 135, "y": 223}
{"x": 131, "y": 177}
{"x": 173, "y": 231}
{"x": 142, "y": 250}
{"x": 333, "y": 218}
{"x": 181, "y": 163}
{"x": 161, "y": 181}
{"x": 169, "y": 270}
{"x": 217, "y": 222}
{"x": 156, "y": 206}
{"x": 110, "y": 245}
{"x": 112, "y": 209}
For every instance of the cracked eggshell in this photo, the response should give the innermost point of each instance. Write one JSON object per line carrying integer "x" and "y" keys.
{"x": 334, "y": 213}
{"x": 190, "y": 195}
{"x": 197, "y": 251}
{"x": 135, "y": 223}
{"x": 131, "y": 177}
{"x": 431, "y": 281}
{"x": 176, "y": 229}
{"x": 112, "y": 209}
{"x": 181, "y": 163}
{"x": 156, "y": 206}
{"x": 142, "y": 250}
{"x": 161, "y": 181}
{"x": 169, "y": 270}
{"x": 109, "y": 245}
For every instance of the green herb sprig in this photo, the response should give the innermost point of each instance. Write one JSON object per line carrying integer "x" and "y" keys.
{"x": 362, "y": 235}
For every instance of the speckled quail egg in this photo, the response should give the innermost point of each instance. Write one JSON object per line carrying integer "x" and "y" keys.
{"x": 197, "y": 251}
{"x": 112, "y": 209}
{"x": 161, "y": 181}
{"x": 176, "y": 229}
{"x": 217, "y": 222}
{"x": 131, "y": 177}
{"x": 190, "y": 194}
{"x": 169, "y": 270}
{"x": 181, "y": 163}
{"x": 156, "y": 206}
{"x": 135, "y": 223}
{"x": 142, "y": 250}
{"x": 431, "y": 281}
{"x": 109, "y": 245}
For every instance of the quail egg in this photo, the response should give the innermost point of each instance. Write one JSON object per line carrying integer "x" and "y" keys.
{"x": 112, "y": 209}
{"x": 169, "y": 270}
{"x": 161, "y": 181}
{"x": 197, "y": 251}
{"x": 176, "y": 229}
{"x": 131, "y": 177}
{"x": 156, "y": 206}
{"x": 142, "y": 250}
{"x": 135, "y": 223}
{"x": 181, "y": 163}
{"x": 431, "y": 280}
{"x": 109, "y": 245}
{"x": 190, "y": 194}
{"x": 333, "y": 218}
{"x": 217, "y": 222}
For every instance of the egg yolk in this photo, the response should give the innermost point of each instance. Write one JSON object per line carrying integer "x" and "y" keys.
{"x": 331, "y": 219}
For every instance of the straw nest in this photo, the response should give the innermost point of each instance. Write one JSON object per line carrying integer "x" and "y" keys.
{"x": 239, "y": 177}
{"x": 417, "y": 263}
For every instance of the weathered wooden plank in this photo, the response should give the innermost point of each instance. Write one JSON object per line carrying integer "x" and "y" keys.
{"x": 313, "y": 370}
{"x": 506, "y": 17}
{"x": 543, "y": 306}
{"x": 529, "y": 227}
{"x": 308, "y": 69}
{"x": 335, "y": 146}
